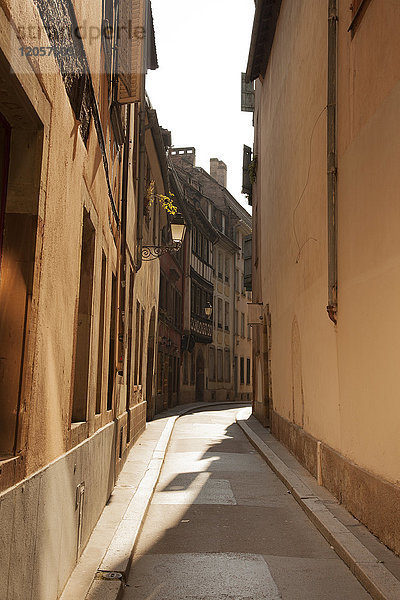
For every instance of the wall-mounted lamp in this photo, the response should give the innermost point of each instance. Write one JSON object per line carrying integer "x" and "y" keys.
{"x": 178, "y": 230}
{"x": 208, "y": 310}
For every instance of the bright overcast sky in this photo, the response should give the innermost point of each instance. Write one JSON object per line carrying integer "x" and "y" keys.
{"x": 202, "y": 48}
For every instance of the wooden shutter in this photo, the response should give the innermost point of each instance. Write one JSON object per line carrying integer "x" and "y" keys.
{"x": 247, "y": 251}
{"x": 247, "y": 95}
{"x": 246, "y": 183}
{"x": 131, "y": 49}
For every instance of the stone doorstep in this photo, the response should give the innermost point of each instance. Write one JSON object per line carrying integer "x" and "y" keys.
{"x": 109, "y": 581}
{"x": 379, "y": 582}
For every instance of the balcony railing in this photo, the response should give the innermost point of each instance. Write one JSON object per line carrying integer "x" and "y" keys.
{"x": 201, "y": 327}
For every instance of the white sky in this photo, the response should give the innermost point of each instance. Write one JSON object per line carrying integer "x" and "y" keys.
{"x": 202, "y": 48}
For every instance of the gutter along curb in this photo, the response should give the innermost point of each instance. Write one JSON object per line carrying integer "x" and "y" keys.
{"x": 374, "y": 576}
{"x": 112, "y": 573}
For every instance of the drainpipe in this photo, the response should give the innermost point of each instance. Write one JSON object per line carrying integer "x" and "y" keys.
{"x": 332, "y": 161}
{"x": 122, "y": 261}
{"x": 142, "y": 175}
{"x": 233, "y": 328}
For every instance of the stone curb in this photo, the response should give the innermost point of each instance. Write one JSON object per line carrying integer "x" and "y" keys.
{"x": 375, "y": 577}
{"x": 112, "y": 574}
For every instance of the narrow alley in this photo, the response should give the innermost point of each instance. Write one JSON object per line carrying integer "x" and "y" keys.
{"x": 199, "y": 292}
{"x": 222, "y": 526}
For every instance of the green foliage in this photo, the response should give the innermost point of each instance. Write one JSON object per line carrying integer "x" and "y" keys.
{"x": 166, "y": 201}
{"x": 252, "y": 169}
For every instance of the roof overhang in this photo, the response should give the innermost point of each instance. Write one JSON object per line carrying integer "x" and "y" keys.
{"x": 159, "y": 145}
{"x": 262, "y": 37}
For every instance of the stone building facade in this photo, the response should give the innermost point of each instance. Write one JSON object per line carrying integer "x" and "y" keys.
{"x": 78, "y": 306}
{"x": 326, "y": 244}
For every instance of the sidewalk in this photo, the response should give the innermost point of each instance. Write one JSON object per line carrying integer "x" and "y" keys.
{"x": 374, "y": 565}
{"x": 104, "y": 565}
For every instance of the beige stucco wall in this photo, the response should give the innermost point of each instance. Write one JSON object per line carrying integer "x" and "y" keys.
{"x": 368, "y": 242}
{"x": 295, "y": 284}
{"x": 338, "y": 383}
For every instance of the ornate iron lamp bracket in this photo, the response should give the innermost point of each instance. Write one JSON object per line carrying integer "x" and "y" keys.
{"x": 153, "y": 252}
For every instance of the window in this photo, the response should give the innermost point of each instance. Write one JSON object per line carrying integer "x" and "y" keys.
{"x": 198, "y": 301}
{"x": 227, "y": 365}
{"x": 226, "y": 316}
{"x": 141, "y": 348}
{"x": 192, "y": 298}
{"x": 220, "y": 372}
{"x": 162, "y": 303}
{"x": 160, "y": 365}
{"x": 223, "y": 224}
{"x": 137, "y": 340}
{"x": 227, "y": 269}
{"x": 247, "y": 255}
{"x": 111, "y": 351}
{"x": 248, "y": 332}
{"x": 100, "y": 345}
{"x": 211, "y": 364}
{"x": 204, "y": 254}
{"x": 185, "y": 369}
{"x": 236, "y": 280}
{"x": 192, "y": 369}
{"x": 220, "y": 265}
{"x": 219, "y": 316}
{"x": 236, "y": 322}
{"x": 17, "y": 263}
{"x": 242, "y": 325}
{"x": 84, "y": 323}
{"x": 241, "y": 370}
{"x": 248, "y": 371}
{"x": 194, "y": 232}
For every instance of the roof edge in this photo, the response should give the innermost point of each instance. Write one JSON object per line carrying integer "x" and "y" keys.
{"x": 262, "y": 37}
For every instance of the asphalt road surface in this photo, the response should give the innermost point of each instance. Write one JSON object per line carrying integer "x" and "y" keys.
{"x": 222, "y": 526}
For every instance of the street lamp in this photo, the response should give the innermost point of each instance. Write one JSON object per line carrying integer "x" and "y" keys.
{"x": 208, "y": 310}
{"x": 178, "y": 229}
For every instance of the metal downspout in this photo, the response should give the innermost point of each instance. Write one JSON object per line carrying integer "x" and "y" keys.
{"x": 142, "y": 166}
{"x": 332, "y": 161}
{"x": 235, "y": 392}
{"x": 122, "y": 258}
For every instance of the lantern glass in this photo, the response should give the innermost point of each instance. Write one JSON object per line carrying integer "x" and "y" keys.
{"x": 208, "y": 309}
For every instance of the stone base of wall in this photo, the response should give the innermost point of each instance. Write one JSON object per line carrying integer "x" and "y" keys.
{"x": 39, "y": 518}
{"x": 372, "y": 500}
{"x": 138, "y": 420}
{"x": 132, "y": 428}
{"x": 260, "y": 413}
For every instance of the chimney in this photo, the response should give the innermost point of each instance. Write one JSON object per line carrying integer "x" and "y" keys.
{"x": 188, "y": 154}
{"x": 218, "y": 171}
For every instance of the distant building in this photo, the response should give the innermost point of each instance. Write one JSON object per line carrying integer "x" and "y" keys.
{"x": 212, "y": 369}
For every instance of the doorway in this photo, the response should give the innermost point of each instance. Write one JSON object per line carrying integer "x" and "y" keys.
{"x": 150, "y": 410}
{"x": 199, "y": 393}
